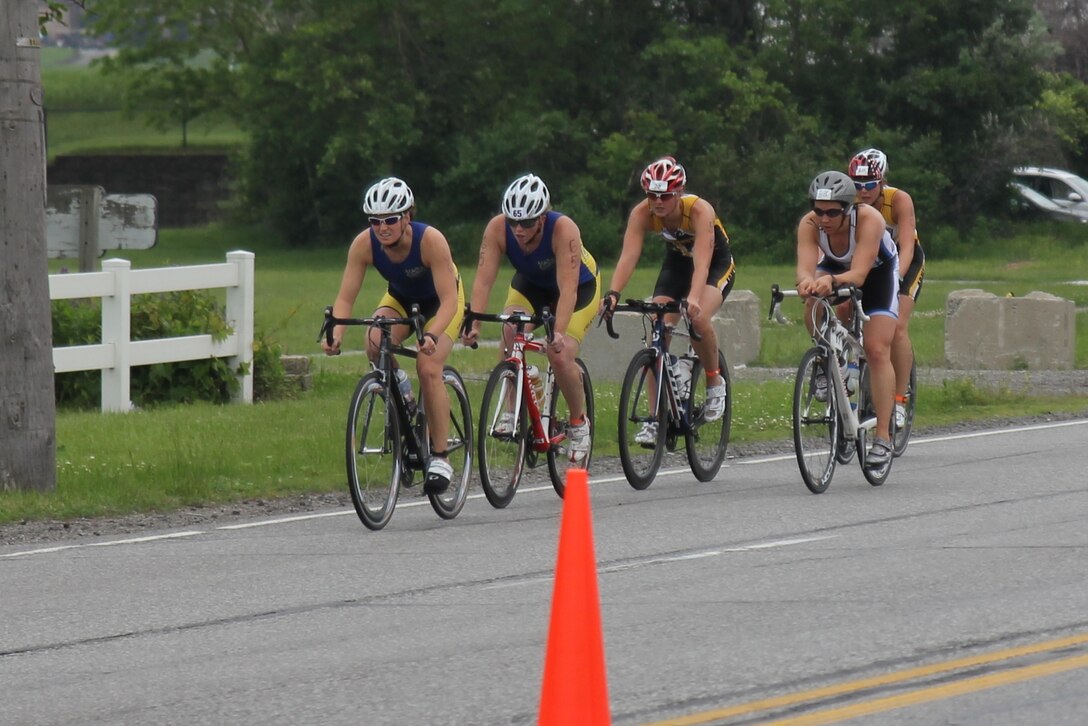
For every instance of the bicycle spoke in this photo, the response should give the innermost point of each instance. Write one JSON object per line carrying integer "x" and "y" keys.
{"x": 373, "y": 453}
{"x": 815, "y": 424}
{"x": 503, "y": 437}
{"x": 707, "y": 441}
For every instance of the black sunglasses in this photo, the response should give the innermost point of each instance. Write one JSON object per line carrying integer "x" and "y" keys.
{"x": 387, "y": 221}
{"x": 523, "y": 223}
{"x": 829, "y": 213}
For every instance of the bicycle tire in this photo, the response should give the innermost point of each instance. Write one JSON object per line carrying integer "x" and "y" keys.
{"x": 902, "y": 433}
{"x": 449, "y": 503}
{"x": 640, "y": 464}
{"x": 373, "y": 448}
{"x": 815, "y": 423}
{"x": 876, "y": 477}
{"x": 502, "y": 456}
{"x": 706, "y": 461}
{"x": 558, "y": 417}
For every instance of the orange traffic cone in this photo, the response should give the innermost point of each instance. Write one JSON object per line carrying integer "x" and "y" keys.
{"x": 575, "y": 685}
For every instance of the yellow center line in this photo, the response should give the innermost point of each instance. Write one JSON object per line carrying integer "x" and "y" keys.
{"x": 846, "y": 687}
{"x": 934, "y": 693}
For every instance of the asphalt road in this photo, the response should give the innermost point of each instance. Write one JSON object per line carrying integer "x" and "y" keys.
{"x": 957, "y": 593}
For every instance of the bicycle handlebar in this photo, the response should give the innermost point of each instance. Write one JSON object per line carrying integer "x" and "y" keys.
{"x": 519, "y": 319}
{"x": 415, "y": 320}
{"x": 649, "y": 308}
{"x": 848, "y": 290}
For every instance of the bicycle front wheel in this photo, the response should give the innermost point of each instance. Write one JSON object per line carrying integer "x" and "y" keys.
{"x": 503, "y": 436}
{"x": 373, "y": 452}
{"x": 559, "y": 453}
{"x": 815, "y": 422}
{"x": 642, "y": 418}
{"x": 706, "y": 441}
{"x": 902, "y": 433}
{"x": 449, "y": 503}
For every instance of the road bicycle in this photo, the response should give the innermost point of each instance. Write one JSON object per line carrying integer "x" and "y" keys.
{"x": 829, "y": 427}
{"x": 902, "y": 433}
{"x": 520, "y": 427}
{"x": 388, "y": 440}
{"x": 656, "y": 393}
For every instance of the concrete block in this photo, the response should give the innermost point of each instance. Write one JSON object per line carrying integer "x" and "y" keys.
{"x": 296, "y": 369}
{"x": 737, "y": 325}
{"x": 984, "y": 331}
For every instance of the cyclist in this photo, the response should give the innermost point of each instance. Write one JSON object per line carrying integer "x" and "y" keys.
{"x": 839, "y": 243}
{"x": 869, "y": 170}
{"x": 551, "y": 268}
{"x": 698, "y": 266}
{"x": 415, "y": 260}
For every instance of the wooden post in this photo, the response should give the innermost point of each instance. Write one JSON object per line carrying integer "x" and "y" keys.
{"x": 90, "y": 206}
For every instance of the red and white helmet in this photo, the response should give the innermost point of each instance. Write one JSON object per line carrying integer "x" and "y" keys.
{"x": 664, "y": 175}
{"x": 869, "y": 164}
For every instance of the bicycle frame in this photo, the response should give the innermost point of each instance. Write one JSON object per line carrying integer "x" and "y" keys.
{"x": 655, "y": 340}
{"x": 836, "y": 339}
{"x": 418, "y": 450}
{"x": 539, "y": 411}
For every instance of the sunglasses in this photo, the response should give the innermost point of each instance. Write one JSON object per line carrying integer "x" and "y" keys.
{"x": 662, "y": 195}
{"x": 831, "y": 213}
{"x": 867, "y": 186}
{"x": 387, "y": 221}
{"x": 523, "y": 223}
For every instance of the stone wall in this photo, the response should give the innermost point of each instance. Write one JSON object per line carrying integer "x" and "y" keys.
{"x": 189, "y": 187}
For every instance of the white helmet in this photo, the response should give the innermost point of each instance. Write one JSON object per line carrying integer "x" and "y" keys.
{"x": 526, "y": 197}
{"x": 388, "y": 196}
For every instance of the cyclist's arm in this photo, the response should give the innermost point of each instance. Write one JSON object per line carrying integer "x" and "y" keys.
{"x": 906, "y": 230}
{"x": 436, "y": 256}
{"x": 492, "y": 250}
{"x": 808, "y": 254}
{"x": 633, "y": 237}
{"x": 359, "y": 258}
{"x": 567, "y": 248}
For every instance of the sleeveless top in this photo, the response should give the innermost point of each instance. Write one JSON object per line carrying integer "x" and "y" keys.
{"x": 538, "y": 266}
{"x": 887, "y": 251}
{"x": 886, "y": 210}
{"x": 682, "y": 240}
{"x": 409, "y": 279}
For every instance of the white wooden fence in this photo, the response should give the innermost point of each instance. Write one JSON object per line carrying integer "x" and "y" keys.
{"x": 117, "y": 353}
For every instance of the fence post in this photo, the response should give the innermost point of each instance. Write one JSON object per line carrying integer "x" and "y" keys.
{"x": 90, "y": 203}
{"x": 240, "y": 318}
{"x": 117, "y": 331}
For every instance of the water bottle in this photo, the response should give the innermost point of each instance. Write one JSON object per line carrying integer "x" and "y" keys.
{"x": 536, "y": 382}
{"x": 682, "y": 373}
{"x": 851, "y": 377}
{"x": 405, "y": 386}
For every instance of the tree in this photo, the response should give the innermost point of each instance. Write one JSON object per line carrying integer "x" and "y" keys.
{"x": 27, "y": 406}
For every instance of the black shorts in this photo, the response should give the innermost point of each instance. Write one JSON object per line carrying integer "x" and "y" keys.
{"x": 911, "y": 282}
{"x": 674, "y": 280}
{"x": 880, "y": 292}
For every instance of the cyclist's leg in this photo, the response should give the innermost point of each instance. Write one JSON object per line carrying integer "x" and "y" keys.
{"x": 436, "y": 400}
{"x": 902, "y": 349}
{"x": 568, "y": 376}
{"x": 879, "y": 332}
{"x": 388, "y": 307}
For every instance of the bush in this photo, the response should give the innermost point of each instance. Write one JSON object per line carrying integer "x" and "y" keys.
{"x": 167, "y": 315}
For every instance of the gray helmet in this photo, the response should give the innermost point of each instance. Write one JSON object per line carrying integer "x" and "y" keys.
{"x": 388, "y": 196}
{"x": 832, "y": 186}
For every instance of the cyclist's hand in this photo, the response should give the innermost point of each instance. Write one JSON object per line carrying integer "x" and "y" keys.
{"x": 470, "y": 336}
{"x": 695, "y": 310}
{"x": 334, "y": 348}
{"x": 428, "y": 345}
{"x": 559, "y": 342}
{"x": 608, "y": 304}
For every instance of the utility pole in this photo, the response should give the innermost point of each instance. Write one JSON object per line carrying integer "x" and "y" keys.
{"x": 27, "y": 399}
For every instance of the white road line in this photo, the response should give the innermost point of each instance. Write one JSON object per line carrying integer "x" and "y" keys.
{"x": 596, "y": 480}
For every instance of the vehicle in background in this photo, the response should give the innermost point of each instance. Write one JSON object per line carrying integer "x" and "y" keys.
{"x": 1051, "y": 193}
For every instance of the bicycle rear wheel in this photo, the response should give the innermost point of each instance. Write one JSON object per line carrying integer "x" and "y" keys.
{"x": 902, "y": 433}
{"x": 448, "y": 504}
{"x": 638, "y": 408}
{"x": 707, "y": 441}
{"x": 815, "y": 423}
{"x": 558, "y": 420}
{"x": 373, "y": 452}
{"x": 502, "y": 450}
{"x": 867, "y": 412}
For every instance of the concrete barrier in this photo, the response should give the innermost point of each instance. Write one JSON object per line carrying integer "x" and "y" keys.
{"x": 737, "y": 324}
{"x": 984, "y": 331}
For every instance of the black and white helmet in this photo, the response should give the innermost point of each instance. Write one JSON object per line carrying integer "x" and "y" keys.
{"x": 526, "y": 197}
{"x": 388, "y": 196}
{"x": 832, "y": 186}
